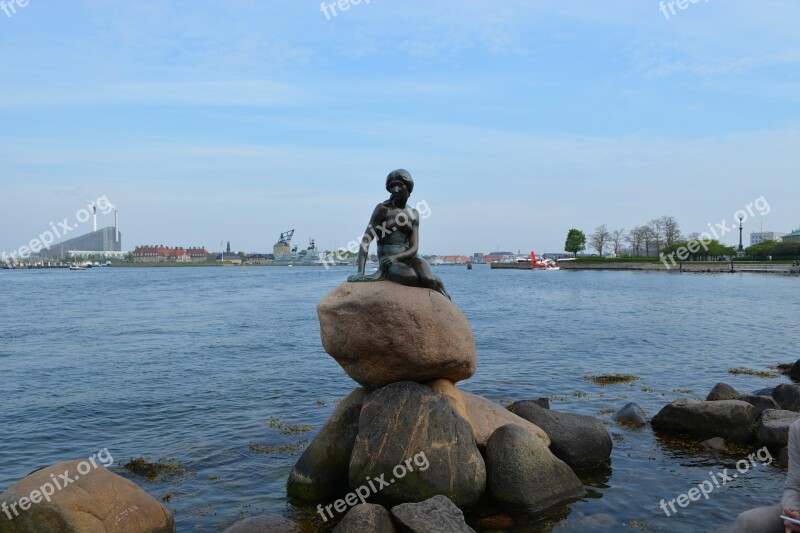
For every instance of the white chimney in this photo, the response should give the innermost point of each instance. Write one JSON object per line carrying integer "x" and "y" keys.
{"x": 94, "y": 218}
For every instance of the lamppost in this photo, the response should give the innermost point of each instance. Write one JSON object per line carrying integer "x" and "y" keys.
{"x": 740, "y": 251}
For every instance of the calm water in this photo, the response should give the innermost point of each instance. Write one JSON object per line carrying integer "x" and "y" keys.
{"x": 191, "y": 363}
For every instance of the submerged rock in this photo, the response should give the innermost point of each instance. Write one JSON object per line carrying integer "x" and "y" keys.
{"x": 382, "y": 332}
{"x": 322, "y": 470}
{"x": 717, "y": 444}
{"x": 410, "y": 437}
{"x": 95, "y": 501}
{"x": 580, "y": 441}
{"x": 524, "y": 474}
{"x": 631, "y": 415}
{"x": 366, "y": 518}
{"x": 730, "y": 419}
{"x": 264, "y": 524}
{"x": 435, "y": 514}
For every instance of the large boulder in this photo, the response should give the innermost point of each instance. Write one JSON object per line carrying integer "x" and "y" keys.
{"x": 788, "y": 396}
{"x": 322, "y": 470}
{"x": 483, "y": 415}
{"x": 78, "y": 496}
{"x": 722, "y": 391}
{"x": 383, "y": 332}
{"x": 435, "y": 514}
{"x": 366, "y": 518}
{"x": 631, "y": 415}
{"x": 731, "y": 419}
{"x": 523, "y": 475}
{"x": 580, "y": 441}
{"x": 774, "y": 428}
{"x": 410, "y": 438}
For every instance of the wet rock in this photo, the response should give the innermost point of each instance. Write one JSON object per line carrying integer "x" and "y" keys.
{"x": 774, "y": 428}
{"x": 731, "y": 419}
{"x": 788, "y": 396}
{"x": 722, "y": 391}
{"x": 383, "y": 332}
{"x": 411, "y": 426}
{"x": 524, "y": 475}
{"x": 580, "y": 441}
{"x": 717, "y": 444}
{"x": 761, "y": 403}
{"x": 264, "y": 524}
{"x": 95, "y": 501}
{"x": 763, "y": 392}
{"x": 322, "y": 470}
{"x": 366, "y": 518}
{"x": 631, "y": 415}
{"x": 435, "y": 514}
{"x": 496, "y": 522}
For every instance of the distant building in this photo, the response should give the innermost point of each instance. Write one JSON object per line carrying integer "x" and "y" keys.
{"x": 758, "y": 238}
{"x": 197, "y": 255}
{"x": 162, "y": 254}
{"x": 478, "y": 257}
{"x": 227, "y": 255}
{"x": 259, "y": 259}
{"x": 792, "y": 237}
{"x": 103, "y": 240}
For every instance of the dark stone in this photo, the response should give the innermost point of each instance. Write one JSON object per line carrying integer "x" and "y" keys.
{"x": 788, "y": 396}
{"x": 366, "y": 518}
{"x": 435, "y": 514}
{"x": 722, "y": 391}
{"x": 783, "y": 457}
{"x": 580, "y": 441}
{"x": 523, "y": 475}
{"x": 794, "y": 371}
{"x": 264, "y": 524}
{"x": 763, "y": 392}
{"x": 731, "y": 419}
{"x": 407, "y": 421}
{"x": 321, "y": 472}
{"x": 761, "y": 403}
{"x": 774, "y": 427}
{"x": 716, "y": 444}
{"x": 543, "y": 402}
{"x": 631, "y": 415}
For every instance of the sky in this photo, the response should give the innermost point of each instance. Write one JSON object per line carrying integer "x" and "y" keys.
{"x": 234, "y": 121}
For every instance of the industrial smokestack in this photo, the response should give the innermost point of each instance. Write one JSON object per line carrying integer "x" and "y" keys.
{"x": 116, "y": 224}
{"x": 94, "y": 217}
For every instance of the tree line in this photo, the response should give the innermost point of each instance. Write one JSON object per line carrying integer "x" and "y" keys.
{"x": 663, "y": 236}
{"x": 645, "y": 240}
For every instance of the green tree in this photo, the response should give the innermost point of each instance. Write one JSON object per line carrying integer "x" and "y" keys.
{"x": 761, "y": 250}
{"x": 786, "y": 250}
{"x": 576, "y": 241}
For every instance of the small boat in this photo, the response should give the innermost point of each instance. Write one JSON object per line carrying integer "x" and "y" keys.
{"x": 469, "y": 266}
{"x": 73, "y": 266}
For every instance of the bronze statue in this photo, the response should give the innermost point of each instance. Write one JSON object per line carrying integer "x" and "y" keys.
{"x": 396, "y": 227}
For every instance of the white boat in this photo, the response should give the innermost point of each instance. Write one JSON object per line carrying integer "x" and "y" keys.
{"x": 76, "y": 267}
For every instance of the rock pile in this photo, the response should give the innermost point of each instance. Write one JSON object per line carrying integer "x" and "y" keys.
{"x": 409, "y": 435}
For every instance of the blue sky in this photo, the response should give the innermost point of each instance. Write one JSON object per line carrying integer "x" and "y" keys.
{"x": 208, "y": 121}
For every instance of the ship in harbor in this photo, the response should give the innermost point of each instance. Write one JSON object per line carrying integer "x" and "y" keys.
{"x": 285, "y": 252}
